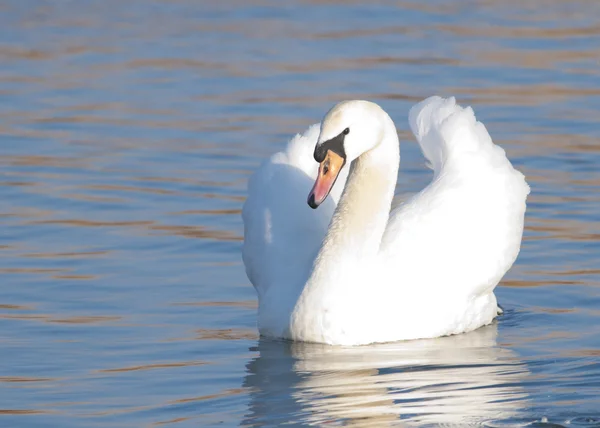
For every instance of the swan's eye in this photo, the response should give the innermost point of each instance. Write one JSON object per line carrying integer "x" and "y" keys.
{"x": 346, "y": 131}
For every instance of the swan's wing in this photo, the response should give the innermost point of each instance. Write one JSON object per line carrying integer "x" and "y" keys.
{"x": 282, "y": 234}
{"x": 462, "y": 232}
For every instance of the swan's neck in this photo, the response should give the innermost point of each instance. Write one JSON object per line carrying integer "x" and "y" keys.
{"x": 352, "y": 241}
{"x": 360, "y": 219}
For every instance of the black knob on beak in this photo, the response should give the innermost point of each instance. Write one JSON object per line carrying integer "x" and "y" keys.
{"x": 336, "y": 145}
{"x": 320, "y": 152}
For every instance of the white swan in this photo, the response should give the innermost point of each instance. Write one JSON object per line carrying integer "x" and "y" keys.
{"x": 351, "y": 272}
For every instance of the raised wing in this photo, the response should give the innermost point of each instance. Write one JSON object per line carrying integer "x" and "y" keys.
{"x": 464, "y": 229}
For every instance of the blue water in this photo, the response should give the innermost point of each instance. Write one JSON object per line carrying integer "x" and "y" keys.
{"x": 127, "y": 133}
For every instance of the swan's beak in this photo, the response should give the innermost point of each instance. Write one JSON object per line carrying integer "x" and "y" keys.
{"x": 329, "y": 170}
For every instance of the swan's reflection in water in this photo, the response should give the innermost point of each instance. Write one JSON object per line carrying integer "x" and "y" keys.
{"x": 458, "y": 380}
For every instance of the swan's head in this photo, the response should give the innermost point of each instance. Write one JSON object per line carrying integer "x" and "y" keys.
{"x": 348, "y": 130}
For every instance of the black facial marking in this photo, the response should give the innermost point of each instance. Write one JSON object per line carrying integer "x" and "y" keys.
{"x": 336, "y": 145}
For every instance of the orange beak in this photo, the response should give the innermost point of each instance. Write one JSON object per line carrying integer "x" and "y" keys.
{"x": 329, "y": 170}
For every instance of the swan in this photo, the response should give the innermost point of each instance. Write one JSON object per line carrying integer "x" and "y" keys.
{"x": 348, "y": 269}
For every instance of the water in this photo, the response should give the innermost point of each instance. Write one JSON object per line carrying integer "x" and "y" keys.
{"x": 127, "y": 133}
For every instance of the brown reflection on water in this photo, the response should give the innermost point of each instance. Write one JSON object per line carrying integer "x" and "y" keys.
{"x": 208, "y": 212}
{"x": 529, "y": 11}
{"x": 17, "y": 307}
{"x": 226, "y": 393}
{"x": 571, "y": 230}
{"x": 538, "y": 283}
{"x": 79, "y": 320}
{"x": 155, "y": 366}
{"x": 516, "y": 32}
{"x": 31, "y": 270}
{"x": 85, "y": 320}
{"x": 361, "y": 32}
{"x": 90, "y": 223}
{"x": 45, "y": 161}
{"x": 25, "y": 379}
{"x": 582, "y": 353}
{"x": 93, "y": 198}
{"x": 134, "y": 189}
{"x": 73, "y": 255}
{"x": 530, "y": 95}
{"x": 197, "y": 232}
{"x": 489, "y": 55}
{"x": 359, "y": 63}
{"x": 226, "y": 334}
{"x": 247, "y": 304}
{"x": 170, "y": 421}
{"x": 25, "y": 412}
{"x": 322, "y": 98}
{"x": 76, "y": 277}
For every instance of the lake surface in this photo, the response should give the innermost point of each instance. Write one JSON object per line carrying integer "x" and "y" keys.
{"x": 128, "y": 131}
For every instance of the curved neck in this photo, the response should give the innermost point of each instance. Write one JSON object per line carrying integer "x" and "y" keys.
{"x": 361, "y": 217}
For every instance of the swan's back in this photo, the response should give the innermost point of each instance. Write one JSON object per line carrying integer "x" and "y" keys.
{"x": 460, "y": 235}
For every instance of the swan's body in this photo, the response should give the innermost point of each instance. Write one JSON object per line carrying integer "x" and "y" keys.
{"x": 353, "y": 273}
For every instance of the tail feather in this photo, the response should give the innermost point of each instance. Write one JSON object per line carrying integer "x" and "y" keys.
{"x": 445, "y": 130}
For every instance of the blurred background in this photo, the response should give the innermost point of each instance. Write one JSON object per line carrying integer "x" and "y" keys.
{"x": 128, "y": 131}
